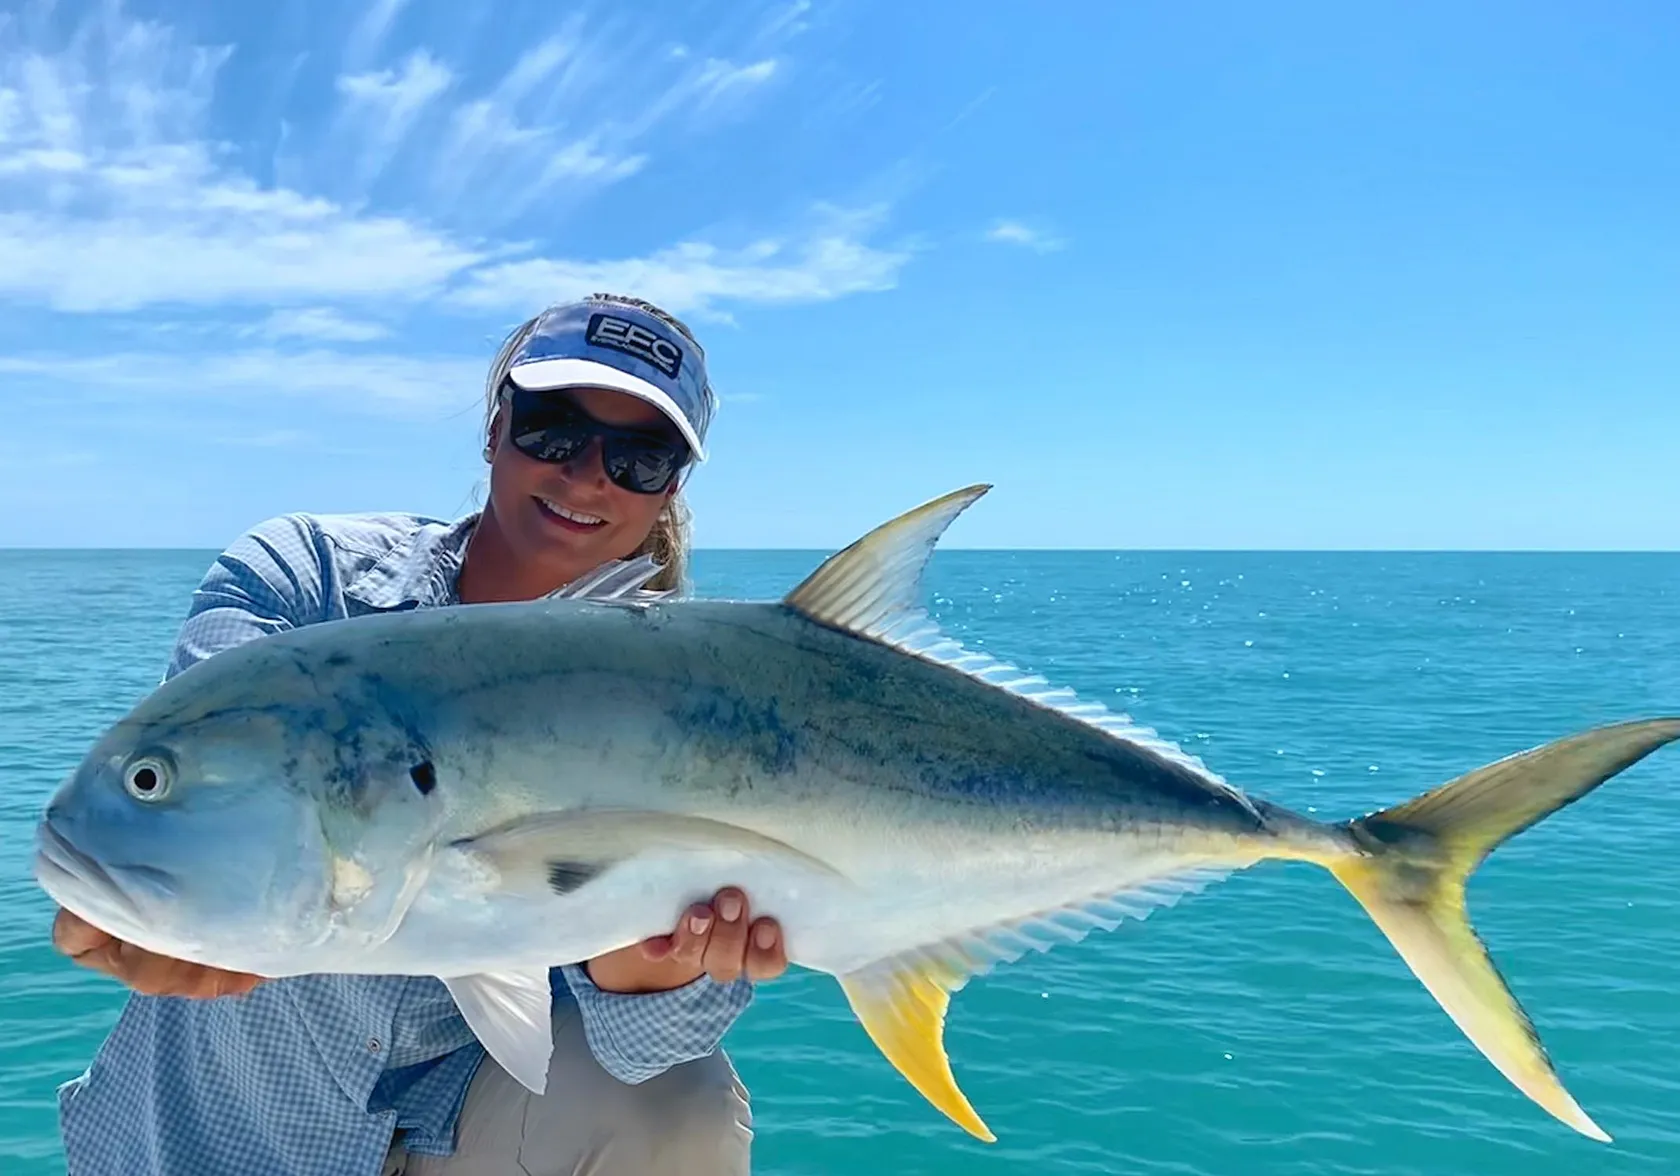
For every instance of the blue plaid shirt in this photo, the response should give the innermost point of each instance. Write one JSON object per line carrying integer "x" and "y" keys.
{"x": 311, "y": 1074}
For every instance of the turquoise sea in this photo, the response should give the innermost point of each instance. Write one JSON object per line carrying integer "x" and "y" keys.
{"x": 1263, "y": 1028}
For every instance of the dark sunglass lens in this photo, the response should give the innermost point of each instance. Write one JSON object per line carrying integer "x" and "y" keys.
{"x": 646, "y": 467}
{"x": 551, "y": 443}
{"x": 547, "y": 427}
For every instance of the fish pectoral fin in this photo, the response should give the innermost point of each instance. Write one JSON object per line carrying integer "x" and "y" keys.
{"x": 510, "y": 1014}
{"x": 615, "y": 580}
{"x": 901, "y": 1004}
{"x": 564, "y": 851}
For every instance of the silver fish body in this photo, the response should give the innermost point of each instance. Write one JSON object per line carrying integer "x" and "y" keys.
{"x": 913, "y": 801}
{"x": 481, "y": 792}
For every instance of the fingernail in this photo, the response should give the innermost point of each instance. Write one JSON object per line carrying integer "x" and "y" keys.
{"x": 765, "y": 936}
{"x": 730, "y": 908}
{"x": 698, "y": 924}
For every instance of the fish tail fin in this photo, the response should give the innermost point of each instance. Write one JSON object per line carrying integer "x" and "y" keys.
{"x": 1413, "y": 863}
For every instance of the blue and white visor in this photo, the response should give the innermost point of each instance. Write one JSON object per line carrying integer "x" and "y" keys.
{"x": 603, "y": 343}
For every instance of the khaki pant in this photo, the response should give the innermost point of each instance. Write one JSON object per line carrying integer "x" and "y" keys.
{"x": 692, "y": 1120}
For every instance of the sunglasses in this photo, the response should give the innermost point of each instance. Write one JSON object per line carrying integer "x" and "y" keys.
{"x": 553, "y": 427}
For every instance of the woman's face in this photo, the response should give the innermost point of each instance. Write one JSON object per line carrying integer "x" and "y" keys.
{"x": 567, "y": 517}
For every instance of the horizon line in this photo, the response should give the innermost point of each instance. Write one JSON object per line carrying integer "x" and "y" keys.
{"x": 214, "y": 550}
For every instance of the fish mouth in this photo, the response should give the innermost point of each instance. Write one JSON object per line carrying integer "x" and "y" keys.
{"x": 73, "y": 878}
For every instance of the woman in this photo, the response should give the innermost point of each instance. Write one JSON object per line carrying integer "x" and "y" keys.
{"x": 594, "y": 412}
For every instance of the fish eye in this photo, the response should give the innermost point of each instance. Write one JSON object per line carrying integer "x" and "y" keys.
{"x": 148, "y": 778}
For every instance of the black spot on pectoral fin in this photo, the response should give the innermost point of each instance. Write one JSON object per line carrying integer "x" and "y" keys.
{"x": 565, "y": 877}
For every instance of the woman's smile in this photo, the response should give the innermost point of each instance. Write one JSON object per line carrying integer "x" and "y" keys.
{"x": 567, "y": 519}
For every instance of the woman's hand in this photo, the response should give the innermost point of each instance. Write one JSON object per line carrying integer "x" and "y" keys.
{"x": 718, "y": 940}
{"x": 144, "y": 972}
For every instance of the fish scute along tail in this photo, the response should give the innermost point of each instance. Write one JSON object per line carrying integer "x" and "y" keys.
{"x": 1418, "y": 857}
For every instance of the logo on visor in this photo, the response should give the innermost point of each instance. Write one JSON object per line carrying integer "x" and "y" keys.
{"x": 635, "y": 339}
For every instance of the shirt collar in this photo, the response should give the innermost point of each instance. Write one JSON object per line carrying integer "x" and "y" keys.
{"x": 419, "y": 570}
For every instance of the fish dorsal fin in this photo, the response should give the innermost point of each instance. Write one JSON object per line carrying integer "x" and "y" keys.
{"x": 872, "y": 589}
{"x": 617, "y": 579}
{"x": 874, "y": 583}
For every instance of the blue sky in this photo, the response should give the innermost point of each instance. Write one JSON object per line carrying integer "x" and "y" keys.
{"x": 1214, "y": 275}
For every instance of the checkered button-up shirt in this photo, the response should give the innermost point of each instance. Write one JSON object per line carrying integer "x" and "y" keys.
{"x": 309, "y": 1075}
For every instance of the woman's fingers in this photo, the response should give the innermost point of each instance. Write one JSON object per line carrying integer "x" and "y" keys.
{"x": 145, "y": 972}
{"x": 76, "y": 937}
{"x": 766, "y": 953}
{"x": 726, "y": 950}
{"x": 688, "y": 941}
{"x": 720, "y": 939}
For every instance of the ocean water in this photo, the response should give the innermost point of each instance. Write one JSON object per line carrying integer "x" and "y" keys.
{"x": 1262, "y": 1028}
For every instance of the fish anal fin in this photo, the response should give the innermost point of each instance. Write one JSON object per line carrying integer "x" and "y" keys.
{"x": 902, "y": 1000}
{"x": 902, "y": 1006}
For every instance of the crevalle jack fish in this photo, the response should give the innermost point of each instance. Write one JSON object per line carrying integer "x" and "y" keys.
{"x": 480, "y": 792}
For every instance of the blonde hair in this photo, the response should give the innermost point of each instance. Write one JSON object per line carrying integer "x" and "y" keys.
{"x": 669, "y": 539}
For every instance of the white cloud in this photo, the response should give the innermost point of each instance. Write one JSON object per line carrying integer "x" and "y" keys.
{"x": 400, "y": 384}
{"x": 386, "y": 104}
{"x": 239, "y": 252}
{"x": 694, "y": 277}
{"x": 370, "y": 32}
{"x": 788, "y": 20}
{"x": 31, "y": 458}
{"x": 719, "y": 78}
{"x": 548, "y": 121}
{"x": 267, "y": 439}
{"x": 1013, "y": 232}
{"x": 117, "y": 197}
{"x": 572, "y": 115}
{"x": 317, "y": 322}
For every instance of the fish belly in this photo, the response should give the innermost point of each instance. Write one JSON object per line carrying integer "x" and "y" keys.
{"x": 851, "y": 892}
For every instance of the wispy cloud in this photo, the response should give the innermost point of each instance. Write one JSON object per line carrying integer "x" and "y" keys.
{"x": 574, "y": 114}
{"x": 404, "y": 384}
{"x": 719, "y": 79}
{"x": 1014, "y": 232}
{"x": 384, "y": 106}
{"x": 512, "y": 136}
{"x": 370, "y": 31}
{"x": 787, "y": 20}
{"x": 235, "y": 266}
{"x": 695, "y": 277}
{"x": 317, "y": 322}
{"x": 972, "y": 107}
{"x": 117, "y": 198}
{"x": 31, "y": 456}
{"x": 266, "y": 439}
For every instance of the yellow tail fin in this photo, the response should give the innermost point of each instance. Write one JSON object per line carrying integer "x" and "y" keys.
{"x": 1420, "y": 854}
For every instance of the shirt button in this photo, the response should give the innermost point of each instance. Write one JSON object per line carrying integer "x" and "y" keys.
{"x": 373, "y": 1045}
